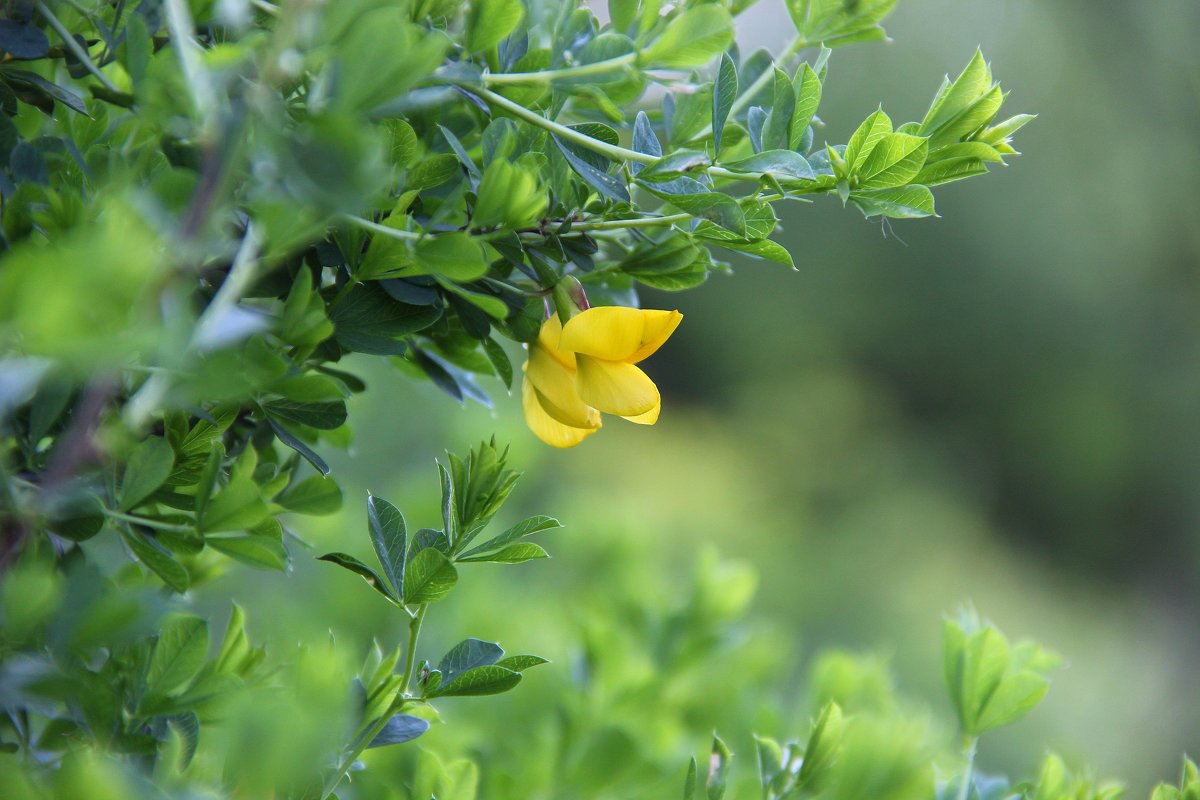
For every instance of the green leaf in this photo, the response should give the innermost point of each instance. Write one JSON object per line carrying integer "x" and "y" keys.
{"x": 513, "y": 554}
{"x": 457, "y": 256}
{"x": 873, "y": 129}
{"x": 368, "y": 320}
{"x": 429, "y": 577}
{"x": 264, "y": 552}
{"x": 158, "y": 559}
{"x": 403, "y": 144}
{"x": 466, "y": 655}
{"x": 526, "y": 527}
{"x": 236, "y": 507}
{"x": 433, "y": 171}
{"x": 352, "y": 564}
{"x": 399, "y": 729}
{"x": 787, "y": 163}
{"x": 599, "y": 179}
{"x": 894, "y": 161}
{"x": 178, "y": 655}
{"x": 323, "y": 416}
{"x": 900, "y": 202}
{"x": 148, "y": 467}
{"x": 293, "y": 441}
{"x": 521, "y": 663}
{"x": 389, "y": 537}
{"x": 31, "y": 80}
{"x": 777, "y": 129}
{"x": 693, "y": 38}
{"x": 716, "y": 207}
{"x": 950, "y": 169}
{"x": 760, "y": 222}
{"x": 725, "y": 91}
{"x": 718, "y": 770}
{"x": 316, "y": 495}
{"x": 838, "y": 22}
{"x": 763, "y": 248}
{"x": 824, "y": 740}
{"x": 689, "y": 782}
{"x": 808, "y": 98}
{"x": 499, "y": 360}
{"x": 489, "y": 21}
{"x": 954, "y": 98}
{"x": 485, "y": 680}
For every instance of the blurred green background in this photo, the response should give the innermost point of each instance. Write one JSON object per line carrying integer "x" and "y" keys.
{"x": 998, "y": 407}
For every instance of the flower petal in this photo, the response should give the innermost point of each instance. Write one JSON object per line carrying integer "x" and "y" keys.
{"x": 556, "y": 385}
{"x": 649, "y": 418}
{"x": 550, "y": 336}
{"x": 617, "y": 333}
{"x": 544, "y": 426}
{"x": 658, "y": 327}
{"x": 615, "y": 387}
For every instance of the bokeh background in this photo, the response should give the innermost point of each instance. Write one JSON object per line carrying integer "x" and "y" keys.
{"x": 998, "y": 407}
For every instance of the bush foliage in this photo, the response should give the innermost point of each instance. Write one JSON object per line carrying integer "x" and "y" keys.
{"x": 212, "y": 211}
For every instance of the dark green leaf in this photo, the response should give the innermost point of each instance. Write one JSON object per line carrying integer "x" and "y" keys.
{"x": 322, "y": 416}
{"x": 499, "y": 361}
{"x": 598, "y": 179}
{"x": 466, "y": 655}
{"x": 158, "y": 559}
{"x": 399, "y": 729}
{"x": 22, "y": 39}
{"x": 148, "y": 467}
{"x": 389, "y": 537}
{"x": 725, "y": 91}
{"x": 486, "y": 680}
{"x": 68, "y": 97}
{"x": 291, "y": 440}
{"x": 368, "y": 320}
{"x": 362, "y": 570}
{"x": 787, "y": 163}
{"x": 717, "y": 207}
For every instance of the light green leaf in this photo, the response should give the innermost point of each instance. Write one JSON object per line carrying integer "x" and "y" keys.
{"x": 693, "y": 38}
{"x": 316, "y": 495}
{"x": 457, "y": 256}
{"x": 158, "y": 559}
{"x": 513, "y": 554}
{"x": 428, "y": 577}
{"x": 265, "y": 552}
{"x": 148, "y": 467}
{"x": 489, "y": 21}
{"x": 178, "y": 655}
{"x": 900, "y": 202}
{"x": 808, "y": 98}
{"x": 894, "y": 161}
{"x": 869, "y": 134}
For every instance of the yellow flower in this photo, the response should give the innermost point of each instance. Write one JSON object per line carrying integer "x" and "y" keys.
{"x": 578, "y": 370}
